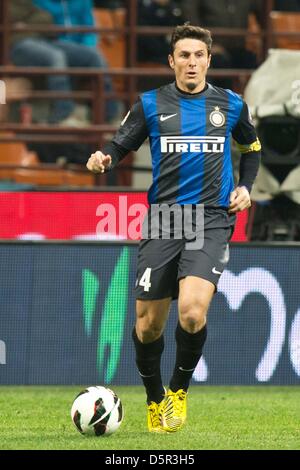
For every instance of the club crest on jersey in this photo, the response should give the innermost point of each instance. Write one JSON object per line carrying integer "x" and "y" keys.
{"x": 217, "y": 118}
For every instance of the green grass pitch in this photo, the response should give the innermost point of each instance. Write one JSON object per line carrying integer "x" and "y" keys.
{"x": 261, "y": 417}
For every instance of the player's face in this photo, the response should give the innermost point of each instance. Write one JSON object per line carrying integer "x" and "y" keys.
{"x": 190, "y": 62}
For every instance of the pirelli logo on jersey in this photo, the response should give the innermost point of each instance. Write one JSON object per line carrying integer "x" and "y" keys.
{"x": 189, "y": 144}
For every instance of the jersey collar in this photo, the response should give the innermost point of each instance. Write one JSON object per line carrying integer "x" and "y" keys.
{"x": 186, "y": 94}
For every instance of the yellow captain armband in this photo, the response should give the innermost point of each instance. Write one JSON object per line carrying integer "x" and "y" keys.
{"x": 254, "y": 147}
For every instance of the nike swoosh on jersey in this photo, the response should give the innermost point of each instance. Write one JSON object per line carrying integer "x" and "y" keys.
{"x": 164, "y": 118}
{"x": 214, "y": 270}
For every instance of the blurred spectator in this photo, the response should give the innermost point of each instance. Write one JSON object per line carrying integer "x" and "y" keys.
{"x": 227, "y": 52}
{"x": 68, "y": 50}
{"x": 156, "y": 13}
{"x": 287, "y": 5}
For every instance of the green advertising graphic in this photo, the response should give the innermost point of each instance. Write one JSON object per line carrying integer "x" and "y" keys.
{"x": 90, "y": 296}
{"x": 113, "y": 314}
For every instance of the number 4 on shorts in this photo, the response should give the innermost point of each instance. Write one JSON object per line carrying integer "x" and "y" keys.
{"x": 145, "y": 279}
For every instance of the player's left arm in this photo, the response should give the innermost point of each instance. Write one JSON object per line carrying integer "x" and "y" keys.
{"x": 249, "y": 145}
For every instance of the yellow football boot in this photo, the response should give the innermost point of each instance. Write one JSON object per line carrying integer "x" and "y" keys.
{"x": 154, "y": 417}
{"x": 173, "y": 410}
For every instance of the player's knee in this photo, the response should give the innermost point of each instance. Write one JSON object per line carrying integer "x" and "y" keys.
{"x": 192, "y": 315}
{"x": 147, "y": 326}
{"x": 149, "y": 332}
{"x": 192, "y": 323}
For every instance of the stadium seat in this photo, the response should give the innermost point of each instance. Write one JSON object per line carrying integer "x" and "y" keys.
{"x": 79, "y": 179}
{"x": 112, "y": 45}
{"x": 16, "y": 154}
{"x": 53, "y": 177}
{"x": 254, "y": 43}
{"x": 286, "y": 22}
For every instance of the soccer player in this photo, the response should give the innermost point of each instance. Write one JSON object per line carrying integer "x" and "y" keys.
{"x": 189, "y": 124}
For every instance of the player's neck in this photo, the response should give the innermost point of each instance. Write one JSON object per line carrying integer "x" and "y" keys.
{"x": 205, "y": 86}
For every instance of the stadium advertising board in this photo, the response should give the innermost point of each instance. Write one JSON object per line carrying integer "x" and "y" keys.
{"x": 67, "y": 312}
{"x": 78, "y": 215}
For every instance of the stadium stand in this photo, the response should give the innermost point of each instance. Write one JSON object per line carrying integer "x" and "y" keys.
{"x": 119, "y": 30}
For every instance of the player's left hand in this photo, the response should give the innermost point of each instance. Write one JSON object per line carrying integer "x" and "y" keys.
{"x": 239, "y": 200}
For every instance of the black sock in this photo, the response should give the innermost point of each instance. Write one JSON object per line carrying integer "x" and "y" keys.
{"x": 188, "y": 353}
{"x": 148, "y": 363}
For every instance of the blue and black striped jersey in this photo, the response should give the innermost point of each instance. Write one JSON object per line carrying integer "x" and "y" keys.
{"x": 190, "y": 141}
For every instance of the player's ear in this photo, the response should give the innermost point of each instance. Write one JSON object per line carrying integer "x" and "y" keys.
{"x": 171, "y": 61}
{"x": 208, "y": 61}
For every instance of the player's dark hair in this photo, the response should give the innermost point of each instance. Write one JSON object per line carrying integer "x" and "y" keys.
{"x": 194, "y": 32}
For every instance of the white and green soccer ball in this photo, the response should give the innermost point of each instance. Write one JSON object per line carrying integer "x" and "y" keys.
{"x": 97, "y": 411}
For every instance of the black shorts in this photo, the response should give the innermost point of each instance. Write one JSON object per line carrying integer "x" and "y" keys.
{"x": 162, "y": 263}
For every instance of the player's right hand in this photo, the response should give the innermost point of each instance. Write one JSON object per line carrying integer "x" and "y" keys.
{"x": 98, "y": 162}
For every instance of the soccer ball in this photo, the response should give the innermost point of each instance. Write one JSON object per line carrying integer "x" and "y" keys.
{"x": 97, "y": 411}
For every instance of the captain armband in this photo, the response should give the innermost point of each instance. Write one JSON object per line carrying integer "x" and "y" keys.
{"x": 254, "y": 147}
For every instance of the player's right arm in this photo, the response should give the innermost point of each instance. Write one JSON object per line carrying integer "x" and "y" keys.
{"x": 130, "y": 136}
